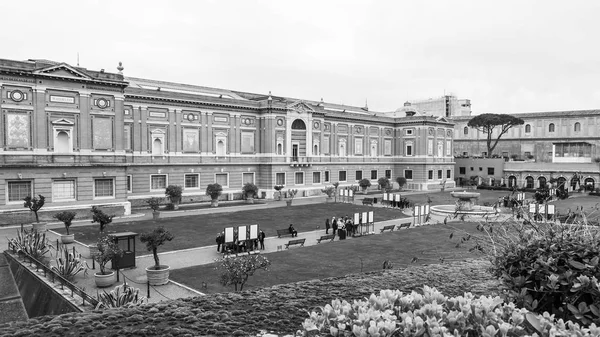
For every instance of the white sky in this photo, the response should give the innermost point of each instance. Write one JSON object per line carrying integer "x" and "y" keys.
{"x": 506, "y": 56}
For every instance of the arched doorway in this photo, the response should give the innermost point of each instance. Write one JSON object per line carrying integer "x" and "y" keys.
{"x": 298, "y": 139}
{"x": 589, "y": 184}
{"x": 512, "y": 181}
{"x": 543, "y": 183}
{"x": 561, "y": 183}
{"x": 62, "y": 142}
{"x": 529, "y": 182}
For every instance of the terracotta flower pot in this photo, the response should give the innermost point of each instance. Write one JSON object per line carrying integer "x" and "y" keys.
{"x": 249, "y": 200}
{"x": 155, "y": 215}
{"x": 214, "y": 203}
{"x": 105, "y": 280}
{"x": 158, "y": 277}
{"x": 67, "y": 238}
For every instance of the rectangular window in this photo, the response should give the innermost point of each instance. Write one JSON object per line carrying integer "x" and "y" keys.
{"x": 490, "y": 171}
{"x": 316, "y": 177}
{"x": 280, "y": 178}
{"x": 448, "y": 174}
{"x": 430, "y": 174}
{"x": 326, "y": 176}
{"x": 104, "y": 188}
{"x": 439, "y": 174}
{"x": 18, "y": 190}
{"x": 222, "y": 179}
{"x": 373, "y": 174}
{"x": 408, "y": 174}
{"x": 129, "y": 184}
{"x": 247, "y": 177}
{"x": 504, "y": 154}
{"x": 192, "y": 181}
{"x": 471, "y": 168}
{"x": 462, "y": 170}
{"x": 342, "y": 176}
{"x": 358, "y": 146}
{"x": 408, "y": 131}
{"x": 63, "y": 190}
{"x": 409, "y": 150}
{"x": 299, "y": 178}
{"x": 358, "y": 175}
{"x": 388, "y": 174}
{"x": 158, "y": 182}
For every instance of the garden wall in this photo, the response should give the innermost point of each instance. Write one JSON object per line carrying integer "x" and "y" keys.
{"x": 47, "y": 213}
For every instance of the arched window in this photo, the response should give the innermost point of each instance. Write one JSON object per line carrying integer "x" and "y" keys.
{"x": 551, "y": 127}
{"x": 589, "y": 184}
{"x": 157, "y": 148}
{"x": 529, "y": 182}
{"x": 62, "y": 142}
{"x": 466, "y": 130}
{"x": 561, "y": 182}
{"x": 220, "y": 147}
{"x": 575, "y": 183}
{"x": 542, "y": 182}
{"x": 527, "y": 128}
{"x": 577, "y": 127}
{"x": 298, "y": 124}
{"x": 315, "y": 150}
{"x": 279, "y": 148}
{"x": 512, "y": 181}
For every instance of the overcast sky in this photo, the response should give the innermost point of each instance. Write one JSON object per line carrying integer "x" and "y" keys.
{"x": 506, "y": 56}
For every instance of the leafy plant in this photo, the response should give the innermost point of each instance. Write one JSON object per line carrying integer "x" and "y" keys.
{"x": 214, "y": 191}
{"x": 107, "y": 250}
{"x": 66, "y": 217}
{"x": 237, "y": 270}
{"x": 154, "y": 203}
{"x": 34, "y": 204}
{"x": 401, "y": 182}
{"x": 383, "y": 183}
{"x": 101, "y": 218}
{"x": 249, "y": 190}
{"x": 278, "y": 187}
{"x": 329, "y": 191}
{"x": 336, "y": 185}
{"x": 31, "y": 242}
{"x": 121, "y": 296}
{"x": 155, "y": 239}
{"x": 364, "y": 183}
{"x": 174, "y": 192}
{"x": 292, "y": 193}
{"x": 69, "y": 263}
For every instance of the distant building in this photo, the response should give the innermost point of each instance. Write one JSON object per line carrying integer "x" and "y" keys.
{"x": 444, "y": 106}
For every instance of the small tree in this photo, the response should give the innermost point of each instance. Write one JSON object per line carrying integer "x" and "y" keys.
{"x": 364, "y": 183}
{"x": 155, "y": 239}
{"x": 174, "y": 192}
{"x": 34, "y": 204}
{"x": 154, "y": 203}
{"x": 487, "y": 123}
{"x": 107, "y": 250}
{"x": 383, "y": 183}
{"x": 214, "y": 191}
{"x": 401, "y": 182}
{"x": 100, "y": 217}
{"x": 329, "y": 190}
{"x": 249, "y": 190}
{"x": 292, "y": 193}
{"x": 236, "y": 270}
{"x": 66, "y": 218}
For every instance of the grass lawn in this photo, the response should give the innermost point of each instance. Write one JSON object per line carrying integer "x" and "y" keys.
{"x": 428, "y": 244}
{"x": 201, "y": 230}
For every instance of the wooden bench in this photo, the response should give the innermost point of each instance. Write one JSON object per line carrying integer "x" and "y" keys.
{"x": 368, "y": 201}
{"x": 404, "y": 225}
{"x": 326, "y": 238}
{"x": 388, "y": 227}
{"x": 295, "y": 242}
{"x": 281, "y": 232}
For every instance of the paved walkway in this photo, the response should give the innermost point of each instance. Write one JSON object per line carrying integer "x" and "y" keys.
{"x": 195, "y": 256}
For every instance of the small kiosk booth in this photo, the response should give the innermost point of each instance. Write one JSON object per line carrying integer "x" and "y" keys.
{"x": 125, "y": 241}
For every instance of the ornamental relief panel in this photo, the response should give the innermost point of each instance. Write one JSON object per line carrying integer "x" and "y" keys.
{"x": 17, "y": 95}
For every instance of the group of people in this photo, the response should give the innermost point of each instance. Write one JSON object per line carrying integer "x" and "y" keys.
{"x": 344, "y": 223}
{"x": 240, "y": 246}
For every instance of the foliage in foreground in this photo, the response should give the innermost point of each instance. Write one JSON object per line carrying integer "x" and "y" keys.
{"x": 69, "y": 263}
{"x": 433, "y": 314}
{"x": 237, "y": 270}
{"x": 31, "y": 242}
{"x": 121, "y": 296}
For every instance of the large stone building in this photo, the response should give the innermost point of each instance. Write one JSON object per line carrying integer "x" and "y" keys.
{"x": 82, "y": 137}
{"x": 558, "y": 144}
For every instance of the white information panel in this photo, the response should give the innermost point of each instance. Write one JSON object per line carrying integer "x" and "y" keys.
{"x": 253, "y": 232}
{"x": 364, "y": 217}
{"x": 345, "y": 193}
{"x": 242, "y": 233}
{"x": 371, "y": 217}
{"x": 229, "y": 235}
{"x": 356, "y": 218}
{"x": 351, "y": 193}
{"x": 550, "y": 209}
{"x": 341, "y": 192}
{"x": 385, "y": 196}
{"x": 397, "y": 197}
{"x": 532, "y": 208}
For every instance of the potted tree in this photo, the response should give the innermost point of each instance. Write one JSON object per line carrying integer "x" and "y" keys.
{"x": 383, "y": 183}
{"x": 249, "y": 190}
{"x": 101, "y": 218}
{"x": 277, "y": 194}
{"x": 35, "y": 204}
{"x": 154, "y": 204}
{"x": 66, "y": 218}
{"x": 330, "y": 192}
{"x": 364, "y": 184}
{"x": 291, "y": 194}
{"x": 157, "y": 274}
{"x": 107, "y": 249}
{"x": 174, "y": 193}
{"x": 214, "y": 191}
{"x": 401, "y": 182}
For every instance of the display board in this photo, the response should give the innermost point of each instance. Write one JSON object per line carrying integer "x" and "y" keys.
{"x": 242, "y": 233}
{"x": 229, "y": 235}
{"x": 253, "y": 232}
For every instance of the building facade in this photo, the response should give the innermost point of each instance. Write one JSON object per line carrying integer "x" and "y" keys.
{"x": 559, "y": 144}
{"x": 82, "y": 137}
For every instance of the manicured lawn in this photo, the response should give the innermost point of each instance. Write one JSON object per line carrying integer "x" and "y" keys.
{"x": 201, "y": 230}
{"x": 428, "y": 244}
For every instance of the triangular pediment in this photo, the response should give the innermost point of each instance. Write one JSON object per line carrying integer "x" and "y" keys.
{"x": 62, "y": 70}
{"x": 442, "y": 119}
{"x": 300, "y": 107}
{"x": 63, "y": 121}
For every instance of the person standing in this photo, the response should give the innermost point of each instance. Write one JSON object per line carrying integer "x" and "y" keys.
{"x": 327, "y": 226}
{"x": 261, "y": 239}
{"x": 220, "y": 239}
{"x": 334, "y": 226}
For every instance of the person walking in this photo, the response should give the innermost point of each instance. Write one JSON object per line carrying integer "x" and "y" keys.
{"x": 261, "y": 239}
{"x": 327, "y": 226}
